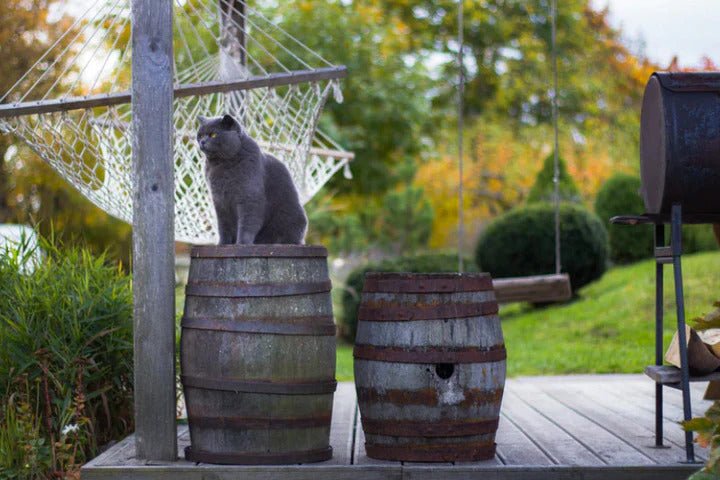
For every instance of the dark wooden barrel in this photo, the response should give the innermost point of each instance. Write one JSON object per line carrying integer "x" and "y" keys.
{"x": 258, "y": 354}
{"x": 679, "y": 147}
{"x": 429, "y": 366}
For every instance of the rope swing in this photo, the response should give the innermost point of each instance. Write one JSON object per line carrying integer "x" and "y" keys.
{"x": 538, "y": 288}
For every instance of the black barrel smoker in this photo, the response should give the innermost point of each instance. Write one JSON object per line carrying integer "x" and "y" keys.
{"x": 680, "y": 177}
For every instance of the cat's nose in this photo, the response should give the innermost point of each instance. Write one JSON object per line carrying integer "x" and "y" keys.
{"x": 202, "y": 143}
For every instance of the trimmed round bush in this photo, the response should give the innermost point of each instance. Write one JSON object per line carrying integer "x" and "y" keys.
{"x": 423, "y": 263}
{"x": 522, "y": 242}
{"x": 620, "y": 195}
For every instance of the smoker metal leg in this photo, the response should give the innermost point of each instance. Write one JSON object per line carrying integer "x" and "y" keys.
{"x": 659, "y": 295}
{"x": 676, "y": 244}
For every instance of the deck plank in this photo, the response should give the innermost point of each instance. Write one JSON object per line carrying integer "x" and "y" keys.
{"x": 627, "y": 419}
{"x": 589, "y": 403}
{"x": 544, "y": 434}
{"x": 610, "y": 448}
{"x": 516, "y": 447}
{"x": 560, "y": 447}
{"x": 341, "y": 429}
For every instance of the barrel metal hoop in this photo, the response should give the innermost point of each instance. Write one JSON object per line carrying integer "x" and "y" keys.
{"x": 495, "y": 353}
{"x": 321, "y": 325}
{"x": 444, "y": 452}
{"x": 243, "y": 289}
{"x": 438, "y": 283}
{"x": 262, "y": 251}
{"x": 442, "y": 428}
{"x": 259, "y": 386}
{"x": 426, "y": 311}
{"x": 260, "y": 423}
{"x": 259, "y": 458}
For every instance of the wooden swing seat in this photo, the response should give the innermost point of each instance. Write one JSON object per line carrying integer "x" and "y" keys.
{"x": 533, "y": 289}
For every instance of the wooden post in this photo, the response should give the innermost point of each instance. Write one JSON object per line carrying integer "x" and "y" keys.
{"x": 153, "y": 229}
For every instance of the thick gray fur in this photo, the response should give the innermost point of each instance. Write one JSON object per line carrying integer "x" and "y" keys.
{"x": 255, "y": 199}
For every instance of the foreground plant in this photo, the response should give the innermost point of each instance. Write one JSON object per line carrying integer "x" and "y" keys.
{"x": 707, "y": 427}
{"x": 65, "y": 360}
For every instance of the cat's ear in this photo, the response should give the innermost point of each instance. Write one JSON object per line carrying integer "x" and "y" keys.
{"x": 229, "y": 122}
{"x": 202, "y": 120}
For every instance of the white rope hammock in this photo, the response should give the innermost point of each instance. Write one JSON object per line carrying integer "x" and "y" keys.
{"x": 72, "y": 107}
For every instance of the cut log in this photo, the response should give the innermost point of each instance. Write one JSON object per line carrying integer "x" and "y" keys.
{"x": 701, "y": 359}
{"x": 534, "y": 289}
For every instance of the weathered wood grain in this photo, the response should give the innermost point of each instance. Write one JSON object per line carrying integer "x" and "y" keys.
{"x": 343, "y": 421}
{"x": 538, "y": 288}
{"x": 527, "y": 441}
{"x": 515, "y": 447}
{"x": 561, "y": 447}
{"x": 623, "y": 418}
{"x": 670, "y": 375}
{"x": 595, "y": 434}
{"x": 153, "y": 229}
{"x": 258, "y": 354}
{"x": 429, "y": 366}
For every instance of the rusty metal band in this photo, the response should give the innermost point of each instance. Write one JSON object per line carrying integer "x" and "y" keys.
{"x": 444, "y": 428}
{"x": 418, "y": 283}
{"x": 242, "y": 289}
{"x": 495, "y": 353}
{"x": 444, "y": 452}
{"x": 425, "y": 311}
{"x": 321, "y": 325}
{"x": 263, "y": 251}
{"x": 259, "y": 458}
{"x": 260, "y": 423}
{"x": 304, "y": 388}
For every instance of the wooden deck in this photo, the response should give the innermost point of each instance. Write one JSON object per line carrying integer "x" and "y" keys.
{"x": 582, "y": 427}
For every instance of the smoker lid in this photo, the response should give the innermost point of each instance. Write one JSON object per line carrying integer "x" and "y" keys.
{"x": 653, "y": 149}
{"x": 689, "y": 81}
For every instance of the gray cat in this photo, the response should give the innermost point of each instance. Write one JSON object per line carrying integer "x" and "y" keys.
{"x": 255, "y": 199}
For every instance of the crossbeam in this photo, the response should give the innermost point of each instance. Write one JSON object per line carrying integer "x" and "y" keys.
{"x": 204, "y": 88}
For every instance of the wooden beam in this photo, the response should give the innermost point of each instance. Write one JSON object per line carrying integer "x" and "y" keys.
{"x": 535, "y": 289}
{"x": 103, "y": 100}
{"x": 153, "y": 230}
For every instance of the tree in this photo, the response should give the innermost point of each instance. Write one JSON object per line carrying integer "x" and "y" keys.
{"x": 406, "y": 222}
{"x": 544, "y": 188}
{"x": 25, "y": 33}
{"x": 385, "y": 116}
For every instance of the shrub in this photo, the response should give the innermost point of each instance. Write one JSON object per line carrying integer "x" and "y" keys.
{"x": 65, "y": 361}
{"x": 698, "y": 238}
{"x": 522, "y": 242}
{"x": 423, "y": 263}
{"x": 544, "y": 189}
{"x": 620, "y": 195}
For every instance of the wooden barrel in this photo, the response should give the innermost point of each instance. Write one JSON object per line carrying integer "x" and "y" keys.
{"x": 258, "y": 354}
{"x": 429, "y": 366}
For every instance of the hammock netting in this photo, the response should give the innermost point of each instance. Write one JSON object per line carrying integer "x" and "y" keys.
{"x": 73, "y": 106}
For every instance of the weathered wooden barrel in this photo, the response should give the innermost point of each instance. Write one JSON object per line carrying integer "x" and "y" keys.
{"x": 258, "y": 354}
{"x": 429, "y": 366}
{"x": 679, "y": 143}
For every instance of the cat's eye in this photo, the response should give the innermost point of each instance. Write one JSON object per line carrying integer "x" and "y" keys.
{"x": 213, "y": 135}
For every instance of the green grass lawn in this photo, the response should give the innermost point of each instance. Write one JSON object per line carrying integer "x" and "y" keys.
{"x": 608, "y": 329}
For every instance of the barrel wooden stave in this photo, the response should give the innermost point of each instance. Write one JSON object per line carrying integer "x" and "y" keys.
{"x": 403, "y": 391}
{"x": 245, "y": 414}
{"x": 409, "y": 411}
{"x": 258, "y": 364}
{"x": 258, "y": 270}
{"x": 259, "y": 356}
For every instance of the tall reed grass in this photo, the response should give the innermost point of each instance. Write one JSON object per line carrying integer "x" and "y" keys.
{"x": 65, "y": 359}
